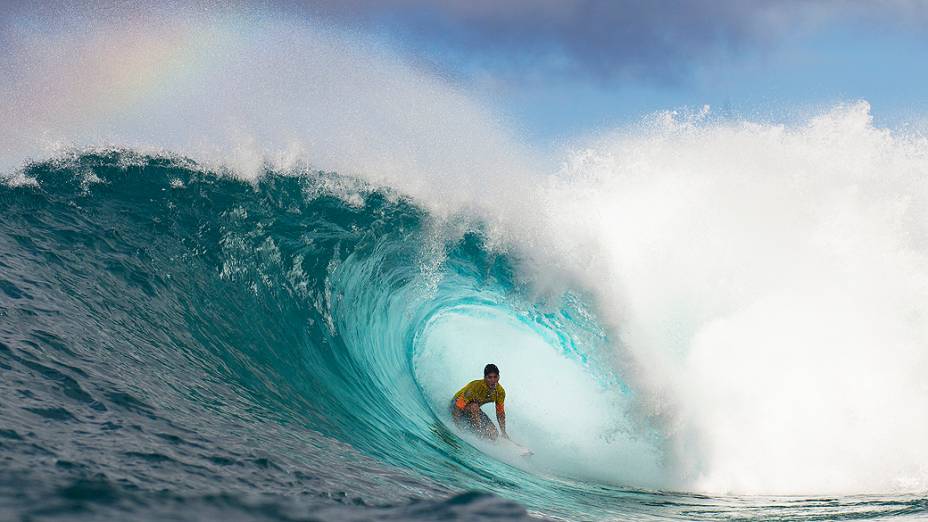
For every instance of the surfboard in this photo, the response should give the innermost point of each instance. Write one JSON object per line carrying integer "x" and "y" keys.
{"x": 523, "y": 451}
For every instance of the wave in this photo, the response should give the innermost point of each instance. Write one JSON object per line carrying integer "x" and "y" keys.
{"x": 307, "y": 300}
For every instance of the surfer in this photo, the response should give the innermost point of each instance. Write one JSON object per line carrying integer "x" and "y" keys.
{"x": 465, "y": 406}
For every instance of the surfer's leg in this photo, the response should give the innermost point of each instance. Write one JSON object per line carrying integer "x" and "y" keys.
{"x": 487, "y": 428}
{"x": 472, "y": 413}
{"x": 474, "y": 419}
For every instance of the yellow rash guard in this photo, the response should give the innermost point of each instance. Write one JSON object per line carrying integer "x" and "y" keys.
{"x": 478, "y": 391}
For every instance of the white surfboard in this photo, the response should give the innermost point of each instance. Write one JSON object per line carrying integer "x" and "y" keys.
{"x": 523, "y": 451}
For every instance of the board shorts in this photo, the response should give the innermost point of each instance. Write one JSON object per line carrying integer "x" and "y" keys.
{"x": 464, "y": 421}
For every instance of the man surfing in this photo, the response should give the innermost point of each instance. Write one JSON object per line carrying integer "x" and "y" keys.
{"x": 465, "y": 406}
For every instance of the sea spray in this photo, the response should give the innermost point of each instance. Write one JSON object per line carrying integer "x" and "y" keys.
{"x": 768, "y": 282}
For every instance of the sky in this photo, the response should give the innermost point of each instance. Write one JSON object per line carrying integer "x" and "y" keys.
{"x": 562, "y": 68}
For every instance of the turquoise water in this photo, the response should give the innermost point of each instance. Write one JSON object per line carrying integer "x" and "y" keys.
{"x": 179, "y": 344}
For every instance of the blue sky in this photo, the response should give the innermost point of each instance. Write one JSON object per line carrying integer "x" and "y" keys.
{"x": 557, "y": 69}
{"x": 802, "y": 75}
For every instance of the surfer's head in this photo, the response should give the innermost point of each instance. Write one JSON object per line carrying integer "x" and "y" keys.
{"x": 491, "y": 375}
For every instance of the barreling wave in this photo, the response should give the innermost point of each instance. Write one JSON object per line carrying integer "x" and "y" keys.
{"x": 194, "y": 318}
{"x": 177, "y": 330}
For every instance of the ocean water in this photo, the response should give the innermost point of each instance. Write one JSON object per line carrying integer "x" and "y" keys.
{"x": 181, "y": 344}
{"x": 242, "y": 282}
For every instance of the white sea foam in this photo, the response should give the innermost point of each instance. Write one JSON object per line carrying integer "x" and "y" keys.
{"x": 770, "y": 286}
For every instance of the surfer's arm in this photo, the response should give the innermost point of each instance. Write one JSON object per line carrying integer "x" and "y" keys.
{"x": 459, "y": 404}
{"x": 501, "y": 418}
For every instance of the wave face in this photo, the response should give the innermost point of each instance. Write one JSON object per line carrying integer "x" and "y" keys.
{"x": 168, "y": 329}
{"x": 175, "y": 341}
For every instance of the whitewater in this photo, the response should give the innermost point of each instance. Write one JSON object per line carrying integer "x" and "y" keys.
{"x": 245, "y": 262}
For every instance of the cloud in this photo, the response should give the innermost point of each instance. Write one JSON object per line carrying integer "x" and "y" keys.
{"x": 660, "y": 40}
{"x": 600, "y": 40}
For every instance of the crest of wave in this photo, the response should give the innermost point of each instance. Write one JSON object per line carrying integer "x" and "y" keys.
{"x": 245, "y": 89}
{"x": 769, "y": 288}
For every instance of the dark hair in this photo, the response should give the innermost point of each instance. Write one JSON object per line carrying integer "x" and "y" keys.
{"x": 490, "y": 368}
